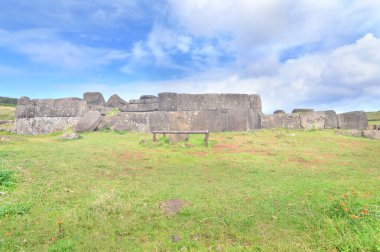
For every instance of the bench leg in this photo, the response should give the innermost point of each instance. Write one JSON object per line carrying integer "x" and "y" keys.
{"x": 206, "y": 139}
{"x": 154, "y": 137}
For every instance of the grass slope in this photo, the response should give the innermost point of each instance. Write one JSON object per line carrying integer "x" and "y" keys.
{"x": 259, "y": 191}
{"x": 7, "y": 112}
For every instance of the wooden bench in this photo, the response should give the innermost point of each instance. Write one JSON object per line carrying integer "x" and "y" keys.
{"x": 164, "y": 132}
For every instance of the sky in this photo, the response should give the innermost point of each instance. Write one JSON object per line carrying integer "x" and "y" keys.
{"x": 321, "y": 54}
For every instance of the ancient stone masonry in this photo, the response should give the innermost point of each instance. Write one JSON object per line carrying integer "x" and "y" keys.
{"x": 169, "y": 111}
{"x": 48, "y": 115}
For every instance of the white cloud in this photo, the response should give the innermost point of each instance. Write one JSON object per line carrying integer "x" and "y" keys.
{"x": 44, "y": 46}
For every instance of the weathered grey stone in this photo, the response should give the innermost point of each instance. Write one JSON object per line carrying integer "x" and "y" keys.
{"x": 331, "y": 120}
{"x": 136, "y": 107}
{"x": 255, "y": 101}
{"x": 197, "y": 102}
{"x": 371, "y": 134}
{"x": 279, "y": 112}
{"x": 94, "y": 99}
{"x": 313, "y": 120}
{"x": 43, "y": 125}
{"x": 254, "y": 120}
{"x": 289, "y": 121}
{"x": 302, "y": 110}
{"x": 158, "y": 120}
{"x": 142, "y": 101}
{"x": 234, "y": 101}
{"x": 89, "y": 122}
{"x": 148, "y": 97}
{"x": 353, "y": 120}
{"x": 5, "y": 121}
{"x": 167, "y": 101}
{"x": 105, "y": 110}
{"x": 354, "y": 133}
{"x": 25, "y": 108}
{"x": 138, "y": 121}
{"x": 66, "y": 107}
{"x": 116, "y": 102}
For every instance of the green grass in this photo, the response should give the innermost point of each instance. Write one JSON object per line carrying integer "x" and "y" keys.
{"x": 7, "y": 112}
{"x": 271, "y": 190}
{"x": 373, "y": 116}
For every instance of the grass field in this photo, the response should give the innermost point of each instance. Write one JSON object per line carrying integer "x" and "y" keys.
{"x": 271, "y": 190}
{"x": 7, "y": 112}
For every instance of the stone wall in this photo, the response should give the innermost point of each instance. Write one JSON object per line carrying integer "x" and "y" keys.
{"x": 171, "y": 111}
{"x": 47, "y": 115}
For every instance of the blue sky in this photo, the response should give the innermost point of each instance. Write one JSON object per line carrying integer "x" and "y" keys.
{"x": 295, "y": 53}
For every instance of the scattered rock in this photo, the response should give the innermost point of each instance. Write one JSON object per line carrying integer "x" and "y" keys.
{"x": 116, "y": 102}
{"x": 173, "y": 206}
{"x": 4, "y": 139}
{"x": 371, "y": 134}
{"x": 89, "y": 122}
{"x": 176, "y": 238}
{"x": 70, "y": 136}
{"x": 5, "y": 122}
{"x": 279, "y": 112}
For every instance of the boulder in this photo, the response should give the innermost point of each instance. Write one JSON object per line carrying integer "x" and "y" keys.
{"x": 94, "y": 99}
{"x": 65, "y": 107}
{"x": 116, "y": 102}
{"x": 279, "y": 112}
{"x": 89, "y": 122}
{"x": 353, "y": 120}
{"x": 301, "y": 110}
{"x": 371, "y": 134}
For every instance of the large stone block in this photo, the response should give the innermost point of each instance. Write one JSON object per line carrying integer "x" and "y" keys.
{"x": 302, "y": 110}
{"x": 116, "y": 102}
{"x": 313, "y": 120}
{"x": 89, "y": 122}
{"x": 167, "y": 101}
{"x": 235, "y": 102}
{"x": 254, "y": 119}
{"x": 139, "y": 107}
{"x": 255, "y": 102}
{"x": 197, "y": 102}
{"x": 331, "y": 119}
{"x": 159, "y": 120}
{"x": 289, "y": 121}
{"x": 138, "y": 122}
{"x": 353, "y": 120}
{"x": 94, "y": 99}
{"x": 25, "y": 108}
{"x": 66, "y": 107}
{"x": 43, "y": 125}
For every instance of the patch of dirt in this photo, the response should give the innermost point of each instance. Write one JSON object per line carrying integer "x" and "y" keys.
{"x": 173, "y": 206}
{"x": 198, "y": 154}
